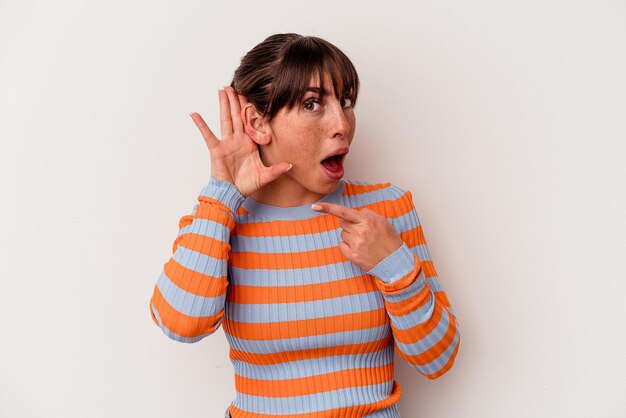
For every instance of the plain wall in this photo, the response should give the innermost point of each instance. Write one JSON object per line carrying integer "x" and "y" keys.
{"x": 506, "y": 121}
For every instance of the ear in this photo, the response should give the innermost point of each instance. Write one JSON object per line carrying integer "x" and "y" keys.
{"x": 254, "y": 124}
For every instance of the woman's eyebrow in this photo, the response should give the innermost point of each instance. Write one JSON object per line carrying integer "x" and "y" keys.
{"x": 318, "y": 90}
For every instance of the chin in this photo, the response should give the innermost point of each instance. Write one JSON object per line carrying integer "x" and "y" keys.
{"x": 330, "y": 186}
{"x": 322, "y": 184}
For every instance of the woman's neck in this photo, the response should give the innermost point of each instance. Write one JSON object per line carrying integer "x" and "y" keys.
{"x": 285, "y": 192}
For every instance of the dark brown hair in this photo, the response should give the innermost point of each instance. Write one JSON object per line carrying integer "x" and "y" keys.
{"x": 277, "y": 72}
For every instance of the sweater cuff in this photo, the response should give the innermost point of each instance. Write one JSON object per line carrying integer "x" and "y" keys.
{"x": 224, "y": 192}
{"x": 395, "y": 266}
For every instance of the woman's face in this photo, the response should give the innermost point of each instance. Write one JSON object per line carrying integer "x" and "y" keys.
{"x": 317, "y": 127}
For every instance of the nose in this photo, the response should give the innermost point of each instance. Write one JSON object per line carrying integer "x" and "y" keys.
{"x": 340, "y": 125}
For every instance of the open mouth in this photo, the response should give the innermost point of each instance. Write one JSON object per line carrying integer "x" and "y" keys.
{"x": 333, "y": 165}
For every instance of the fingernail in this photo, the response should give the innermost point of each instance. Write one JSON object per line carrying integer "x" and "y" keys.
{"x": 290, "y": 165}
{"x": 316, "y": 207}
{"x": 191, "y": 114}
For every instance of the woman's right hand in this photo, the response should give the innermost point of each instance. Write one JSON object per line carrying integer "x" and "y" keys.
{"x": 235, "y": 158}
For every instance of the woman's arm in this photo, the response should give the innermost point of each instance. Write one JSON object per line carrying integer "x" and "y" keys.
{"x": 188, "y": 299}
{"x": 425, "y": 329}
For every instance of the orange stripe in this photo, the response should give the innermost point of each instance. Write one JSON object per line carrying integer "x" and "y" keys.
{"x": 419, "y": 331}
{"x": 443, "y": 298}
{"x": 181, "y": 324}
{"x": 323, "y": 223}
{"x": 401, "y": 206}
{"x": 409, "y": 305}
{"x": 352, "y": 189}
{"x": 296, "y": 355}
{"x": 183, "y": 222}
{"x": 435, "y": 351}
{"x": 413, "y": 236}
{"x": 314, "y": 384}
{"x": 428, "y": 268}
{"x": 448, "y": 365}
{"x": 302, "y": 293}
{"x": 194, "y": 282}
{"x": 308, "y": 327}
{"x": 206, "y": 245}
{"x": 207, "y": 210}
{"x": 350, "y": 411}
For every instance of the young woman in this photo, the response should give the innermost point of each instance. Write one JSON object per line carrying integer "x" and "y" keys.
{"x": 315, "y": 278}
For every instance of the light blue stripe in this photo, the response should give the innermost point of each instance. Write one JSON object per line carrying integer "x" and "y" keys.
{"x": 396, "y": 265}
{"x": 313, "y": 367}
{"x": 176, "y": 337}
{"x": 433, "y": 283}
{"x": 421, "y": 251}
{"x": 287, "y": 243}
{"x": 299, "y": 276}
{"x": 188, "y": 303}
{"x": 416, "y": 317}
{"x": 279, "y": 312}
{"x": 200, "y": 263}
{"x": 207, "y": 228}
{"x": 334, "y": 339}
{"x": 390, "y": 412}
{"x": 436, "y": 365}
{"x": 328, "y": 273}
{"x": 404, "y": 222}
{"x": 428, "y": 341}
{"x": 318, "y": 402}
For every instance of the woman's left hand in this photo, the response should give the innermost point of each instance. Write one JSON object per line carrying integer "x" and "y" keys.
{"x": 367, "y": 237}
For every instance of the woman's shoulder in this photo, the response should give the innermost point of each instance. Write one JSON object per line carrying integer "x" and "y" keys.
{"x": 389, "y": 195}
{"x": 387, "y": 190}
{"x": 386, "y": 198}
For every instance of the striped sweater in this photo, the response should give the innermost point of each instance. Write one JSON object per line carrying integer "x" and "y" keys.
{"x": 310, "y": 333}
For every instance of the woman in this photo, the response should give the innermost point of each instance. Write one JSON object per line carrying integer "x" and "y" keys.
{"x": 315, "y": 278}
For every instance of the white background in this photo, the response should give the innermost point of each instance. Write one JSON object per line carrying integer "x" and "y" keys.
{"x": 506, "y": 120}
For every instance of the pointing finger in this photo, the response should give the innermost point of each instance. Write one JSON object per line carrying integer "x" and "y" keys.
{"x": 342, "y": 212}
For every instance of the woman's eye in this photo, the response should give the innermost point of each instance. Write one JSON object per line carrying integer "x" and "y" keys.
{"x": 310, "y": 105}
{"x": 345, "y": 102}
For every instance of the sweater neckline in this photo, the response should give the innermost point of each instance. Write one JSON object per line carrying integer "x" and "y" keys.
{"x": 255, "y": 207}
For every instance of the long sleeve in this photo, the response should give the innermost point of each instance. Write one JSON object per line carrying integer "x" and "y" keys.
{"x": 188, "y": 299}
{"x": 424, "y": 327}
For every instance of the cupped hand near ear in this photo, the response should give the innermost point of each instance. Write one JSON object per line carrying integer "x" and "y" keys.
{"x": 235, "y": 158}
